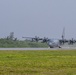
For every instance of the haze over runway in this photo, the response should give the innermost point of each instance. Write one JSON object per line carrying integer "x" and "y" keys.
{"x": 43, "y": 18}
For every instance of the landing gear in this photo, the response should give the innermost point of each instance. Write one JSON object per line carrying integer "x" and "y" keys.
{"x": 59, "y": 47}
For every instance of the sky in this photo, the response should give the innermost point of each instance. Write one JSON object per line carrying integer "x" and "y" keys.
{"x": 43, "y": 18}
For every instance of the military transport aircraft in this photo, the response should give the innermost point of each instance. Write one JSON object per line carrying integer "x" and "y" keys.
{"x": 52, "y": 43}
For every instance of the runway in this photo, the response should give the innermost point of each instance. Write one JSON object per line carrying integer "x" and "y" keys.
{"x": 63, "y": 48}
{"x": 28, "y": 48}
{"x": 22, "y": 48}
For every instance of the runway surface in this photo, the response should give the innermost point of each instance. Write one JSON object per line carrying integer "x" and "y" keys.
{"x": 23, "y": 48}
{"x": 64, "y": 48}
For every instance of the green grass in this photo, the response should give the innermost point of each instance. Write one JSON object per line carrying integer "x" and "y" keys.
{"x": 4, "y": 43}
{"x": 44, "y": 62}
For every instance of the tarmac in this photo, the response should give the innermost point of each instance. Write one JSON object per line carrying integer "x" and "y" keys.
{"x": 63, "y": 48}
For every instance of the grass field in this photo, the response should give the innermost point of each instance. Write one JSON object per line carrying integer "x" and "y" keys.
{"x": 42, "y": 62}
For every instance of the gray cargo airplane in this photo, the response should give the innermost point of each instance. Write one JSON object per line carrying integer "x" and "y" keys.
{"x": 52, "y": 43}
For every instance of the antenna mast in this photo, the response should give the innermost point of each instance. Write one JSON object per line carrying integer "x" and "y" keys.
{"x": 63, "y": 33}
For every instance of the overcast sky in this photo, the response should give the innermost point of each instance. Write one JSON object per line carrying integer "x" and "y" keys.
{"x": 43, "y": 18}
